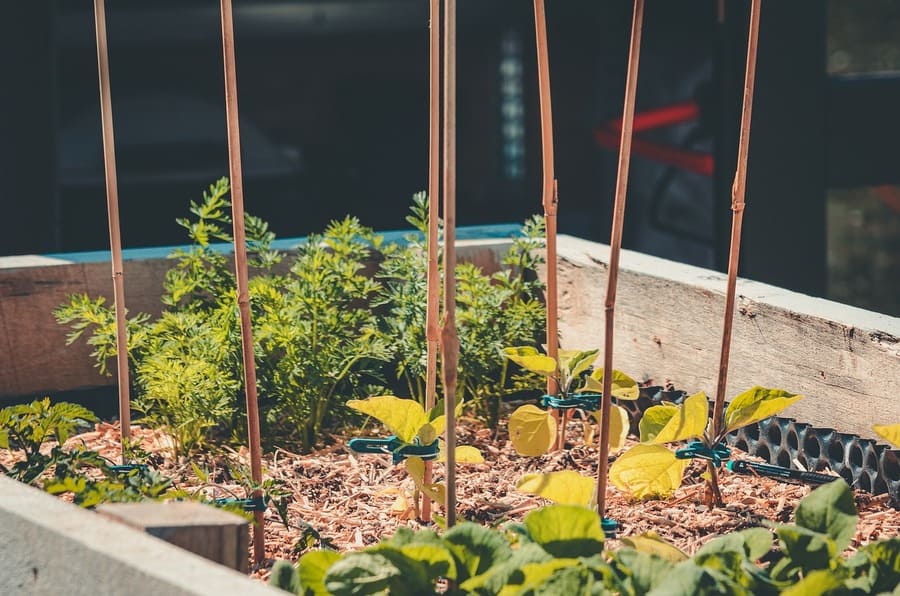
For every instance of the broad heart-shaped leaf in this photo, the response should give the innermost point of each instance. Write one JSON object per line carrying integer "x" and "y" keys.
{"x": 566, "y": 530}
{"x": 575, "y": 362}
{"x": 687, "y": 421}
{"x": 755, "y": 404}
{"x": 566, "y": 487}
{"x": 806, "y": 549}
{"x": 508, "y": 574}
{"x": 361, "y": 573}
{"x": 284, "y": 576}
{"x": 888, "y": 432}
{"x": 415, "y": 466}
{"x": 427, "y": 434}
{"x": 643, "y": 570}
{"x": 830, "y": 510}
{"x": 435, "y": 557}
{"x": 753, "y": 543}
{"x": 311, "y": 570}
{"x": 464, "y": 455}
{"x": 404, "y": 417}
{"x": 648, "y": 471}
{"x": 532, "y": 430}
{"x": 557, "y": 576}
{"x": 530, "y": 359}
{"x": 619, "y": 424}
{"x": 623, "y": 386}
{"x": 652, "y": 544}
{"x": 819, "y": 582}
{"x": 475, "y": 548}
{"x": 688, "y": 579}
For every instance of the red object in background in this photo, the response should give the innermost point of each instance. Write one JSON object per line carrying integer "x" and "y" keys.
{"x": 698, "y": 162}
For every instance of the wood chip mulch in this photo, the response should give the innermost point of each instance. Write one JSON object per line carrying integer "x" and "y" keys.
{"x": 351, "y": 501}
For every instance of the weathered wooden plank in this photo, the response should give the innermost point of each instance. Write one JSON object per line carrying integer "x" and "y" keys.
{"x": 845, "y": 360}
{"x": 213, "y": 534}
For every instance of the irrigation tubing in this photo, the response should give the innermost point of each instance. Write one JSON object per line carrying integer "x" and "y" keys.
{"x": 115, "y": 236}
{"x": 738, "y": 195}
{"x": 550, "y": 202}
{"x": 615, "y": 247}
{"x": 432, "y": 322}
{"x": 449, "y": 334}
{"x": 240, "y": 266}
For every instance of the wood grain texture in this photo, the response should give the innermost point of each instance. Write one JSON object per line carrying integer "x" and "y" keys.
{"x": 846, "y": 361}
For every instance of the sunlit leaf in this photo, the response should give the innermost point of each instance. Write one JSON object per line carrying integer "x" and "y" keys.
{"x": 465, "y": 454}
{"x": 434, "y": 491}
{"x": 623, "y": 386}
{"x": 619, "y": 424}
{"x": 566, "y": 530}
{"x": 439, "y": 420}
{"x": 818, "y": 582}
{"x": 532, "y": 430}
{"x": 404, "y": 417}
{"x": 427, "y": 434}
{"x": 575, "y": 362}
{"x": 888, "y": 432}
{"x": 567, "y": 487}
{"x": 312, "y": 568}
{"x": 651, "y": 543}
{"x": 755, "y": 404}
{"x": 530, "y": 359}
{"x": 829, "y": 509}
{"x": 648, "y": 471}
{"x": 654, "y": 419}
{"x": 688, "y": 421}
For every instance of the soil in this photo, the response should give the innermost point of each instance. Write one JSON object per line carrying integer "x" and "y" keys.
{"x": 351, "y": 500}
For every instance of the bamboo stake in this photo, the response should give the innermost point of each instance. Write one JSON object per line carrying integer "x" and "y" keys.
{"x": 432, "y": 323}
{"x": 240, "y": 266}
{"x": 738, "y": 194}
{"x": 615, "y": 246}
{"x": 449, "y": 335}
{"x": 550, "y": 201}
{"x": 115, "y": 236}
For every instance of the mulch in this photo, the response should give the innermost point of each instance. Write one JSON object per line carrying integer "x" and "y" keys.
{"x": 351, "y": 501}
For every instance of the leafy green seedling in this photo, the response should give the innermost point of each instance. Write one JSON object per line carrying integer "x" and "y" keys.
{"x": 413, "y": 427}
{"x": 652, "y": 470}
{"x": 533, "y": 431}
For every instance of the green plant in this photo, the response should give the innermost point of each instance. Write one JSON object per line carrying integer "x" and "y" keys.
{"x": 314, "y": 336}
{"x": 413, "y": 427}
{"x": 559, "y": 549}
{"x": 650, "y": 469}
{"x": 533, "y": 431}
{"x": 492, "y": 311}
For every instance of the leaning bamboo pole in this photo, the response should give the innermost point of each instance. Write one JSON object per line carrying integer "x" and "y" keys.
{"x": 449, "y": 334}
{"x": 241, "y": 274}
{"x": 432, "y": 323}
{"x": 115, "y": 236}
{"x": 738, "y": 194}
{"x": 615, "y": 247}
{"x": 550, "y": 201}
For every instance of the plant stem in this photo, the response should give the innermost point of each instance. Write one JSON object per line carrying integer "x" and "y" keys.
{"x": 115, "y": 236}
{"x": 240, "y": 265}
{"x": 615, "y": 246}
{"x": 738, "y": 192}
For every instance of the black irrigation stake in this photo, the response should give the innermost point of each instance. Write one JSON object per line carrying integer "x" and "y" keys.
{"x": 752, "y": 468}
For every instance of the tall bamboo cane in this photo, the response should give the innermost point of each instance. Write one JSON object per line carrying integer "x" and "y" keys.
{"x": 240, "y": 267}
{"x": 550, "y": 201}
{"x": 615, "y": 246}
{"x": 449, "y": 335}
{"x": 115, "y": 236}
{"x": 738, "y": 193}
{"x": 432, "y": 323}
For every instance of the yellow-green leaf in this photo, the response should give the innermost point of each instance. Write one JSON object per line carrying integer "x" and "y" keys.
{"x": 567, "y": 487}
{"x": 530, "y": 359}
{"x": 619, "y": 424}
{"x": 465, "y": 454}
{"x": 438, "y": 420}
{"x": 575, "y": 362}
{"x": 427, "y": 434}
{"x": 623, "y": 386}
{"x": 532, "y": 430}
{"x": 654, "y": 419}
{"x": 651, "y": 543}
{"x": 888, "y": 432}
{"x": 404, "y": 417}
{"x": 755, "y": 404}
{"x": 434, "y": 491}
{"x": 688, "y": 421}
{"x": 648, "y": 471}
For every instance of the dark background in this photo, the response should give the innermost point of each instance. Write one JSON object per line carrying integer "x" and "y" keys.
{"x": 333, "y": 98}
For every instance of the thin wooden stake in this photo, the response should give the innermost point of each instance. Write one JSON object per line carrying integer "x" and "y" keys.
{"x": 240, "y": 267}
{"x": 449, "y": 334}
{"x": 432, "y": 321}
{"x": 738, "y": 193}
{"x": 615, "y": 247}
{"x": 550, "y": 201}
{"x": 115, "y": 236}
